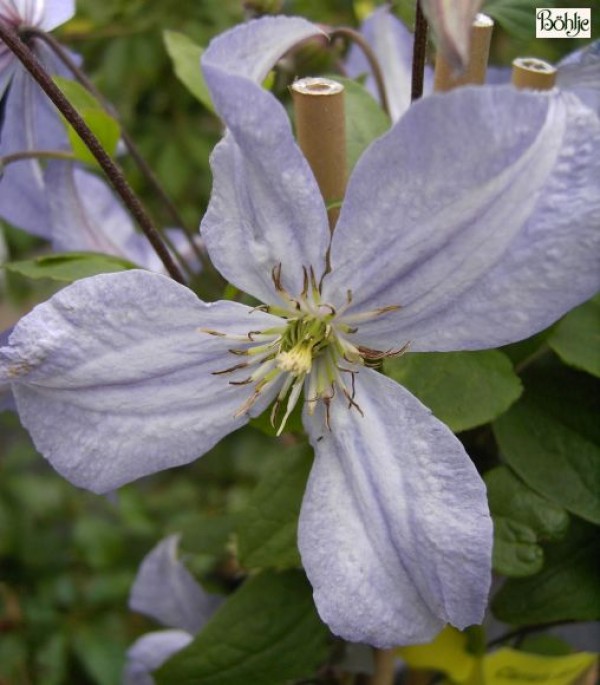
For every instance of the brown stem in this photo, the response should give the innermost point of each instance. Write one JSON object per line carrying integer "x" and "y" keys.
{"x": 419, "y": 54}
{"x": 356, "y": 37}
{"x": 115, "y": 175}
{"x": 134, "y": 151}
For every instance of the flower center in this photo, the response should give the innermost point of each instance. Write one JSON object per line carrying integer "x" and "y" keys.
{"x": 311, "y": 350}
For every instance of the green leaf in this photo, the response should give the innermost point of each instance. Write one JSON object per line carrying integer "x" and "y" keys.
{"x": 522, "y": 519}
{"x": 365, "y": 120}
{"x": 463, "y": 389}
{"x": 517, "y": 17}
{"x": 576, "y": 339}
{"x": 568, "y": 587}
{"x": 551, "y": 438}
{"x": 186, "y": 55}
{"x": 69, "y": 266}
{"x": 267, "y": 526}
{"x": 100, "y": 648}
{"x": 266, "y": 633}
{"x": 102, "y": 125}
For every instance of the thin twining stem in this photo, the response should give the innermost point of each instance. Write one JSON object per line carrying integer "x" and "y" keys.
{"x": 115, "y": 175}
{"x": 419, "y": 54}
{"x": 35, "y": 154}
{"x": 134, "y": 151}
{"x": 356, "y": 37}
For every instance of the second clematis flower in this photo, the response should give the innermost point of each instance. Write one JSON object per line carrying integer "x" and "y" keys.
{"x": 471, "y": 224}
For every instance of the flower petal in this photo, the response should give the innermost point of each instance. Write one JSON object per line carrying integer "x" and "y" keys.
{"x": 7, "y": 401}
{"x": 451, "y": 23}
{"x": 165, "y": 590}
{"x": 115, "y": 380}
{"x": 30, "y": 123}
{"x": 487, "y": 202}
{"x": 392, "y": 43}
{"x": 150, "y": 652}
{"x": 394, "y": 533}
{"x": 580, "y": 73}
{"x": 265, "y": 208}
{"x": 57, "y": 12}
{"x": 85, "y": 213}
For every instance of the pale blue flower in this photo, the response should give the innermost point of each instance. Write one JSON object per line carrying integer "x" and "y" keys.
{"x": 84, "y": 214}
{"x": 392, "y": 43}
{"x": 30, "y": 120}
{"x": 472, "y": 223}
{"x": 166, "y": 591}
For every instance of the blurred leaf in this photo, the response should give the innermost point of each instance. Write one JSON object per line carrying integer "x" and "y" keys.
{"x": 100, "y": 647}
{"x": 517, "y": 17}
{"x": 266, "y": 633}
{"x": 576, "y": 339}
{"x": 206, "y": 534}
{"x": 522, "y": 668}
{"x": 186, "y": 60}
{"x": 446, "y": 653}
{"x": 99, "y": 541}
{"x": 568, "y": 587}
{"x": 546, "y": 645}
{"x": 103, "y": 125}
{"x": 365, "y": 120}
{"x": 463, "y": 389}
{"x": 51, "y": 661}
{"x": 69, "y": 266}
{"x": 522, "y": 519}
{"x": 551, "y": 438}
{"x": 267, "y": 526}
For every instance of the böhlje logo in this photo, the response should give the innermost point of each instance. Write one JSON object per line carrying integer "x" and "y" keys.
{"x": 563, "y": 22}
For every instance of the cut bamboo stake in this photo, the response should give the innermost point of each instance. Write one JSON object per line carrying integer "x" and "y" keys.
{"x": 321, "y": 132}
{"x": 479, "y": 51}
{"x": 530, "y": 72}
{"x": 385, "y": 667}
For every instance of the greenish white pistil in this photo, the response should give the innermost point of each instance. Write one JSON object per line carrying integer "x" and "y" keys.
{"x": 311, "y": 349}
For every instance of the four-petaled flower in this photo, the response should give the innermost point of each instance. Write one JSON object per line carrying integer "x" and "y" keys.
{"x": 471, "y": 224}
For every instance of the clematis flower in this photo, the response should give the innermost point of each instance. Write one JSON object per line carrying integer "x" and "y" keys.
{"x": 470, "y": 224}
{"x": 30, "y": 120}
{"x": 166, "y": 591}
{"x": 392, "y": 44}
{"x": 451, "y": 23}
{"x": 85, "y": 215}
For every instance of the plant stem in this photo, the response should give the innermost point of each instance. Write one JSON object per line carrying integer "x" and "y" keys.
{"x": 357, "y": 38}
{"x": 419, "y": 54}
{"x": 115, "y": 175}
{"x": 35, "y": 154}
{"x": 132, "y": 148}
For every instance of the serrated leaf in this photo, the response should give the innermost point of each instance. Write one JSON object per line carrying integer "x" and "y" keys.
{"x": 364, "y": 118}
{"x": 185, "y": 55}
{"x": 103, "y": 125}
{"x": 266, "y": 633}
{"x": 267, "y": 526}
{"x": 69, "y": 266}
{"x": 550, "y": 437}
{"x": 463, "y": 389}
{"x": 576, "y": 339}
{"x": 567, "y": 588}
{"x": 522, "y": 519}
